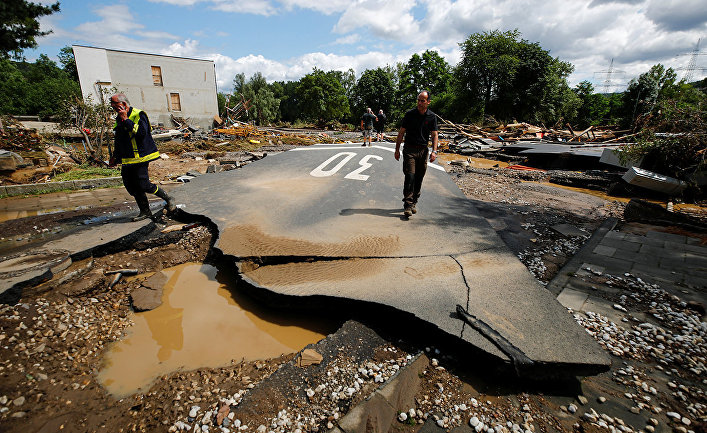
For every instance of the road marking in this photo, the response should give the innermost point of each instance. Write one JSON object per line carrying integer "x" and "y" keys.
{"x": 329, "y": 147}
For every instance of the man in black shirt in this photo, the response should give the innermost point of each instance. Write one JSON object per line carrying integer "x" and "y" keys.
{"x": 417, "y": 126}
{"x": 367, "y": 125}
{"x": 379, "y": 125}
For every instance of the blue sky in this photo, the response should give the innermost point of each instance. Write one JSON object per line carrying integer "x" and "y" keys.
{"x": 285, "y": 39}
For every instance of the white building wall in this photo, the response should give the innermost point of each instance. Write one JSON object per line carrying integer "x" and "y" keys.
{"x": 131, "y": 73}
{"x": 92, "y": 67}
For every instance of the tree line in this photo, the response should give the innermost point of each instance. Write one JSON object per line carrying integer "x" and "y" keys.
{"x": 500, "y": 78}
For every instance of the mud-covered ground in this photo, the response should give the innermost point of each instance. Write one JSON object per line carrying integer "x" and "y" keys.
{"x": 51, "y": 346}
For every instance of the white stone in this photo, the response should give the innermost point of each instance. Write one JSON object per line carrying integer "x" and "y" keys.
{"x": 402, "y": 417}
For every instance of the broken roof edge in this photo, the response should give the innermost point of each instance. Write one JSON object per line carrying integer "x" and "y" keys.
{"x": 143, "y": 54}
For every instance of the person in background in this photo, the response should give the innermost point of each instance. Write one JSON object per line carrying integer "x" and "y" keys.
{"x": 379, "y": 125}
{"x": 134, "y": 148}
{"x": 418, "y": 124}
{"x": 367, "y": 126}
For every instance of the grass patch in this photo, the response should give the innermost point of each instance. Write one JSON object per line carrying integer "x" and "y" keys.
{"x": 86, "y": 173}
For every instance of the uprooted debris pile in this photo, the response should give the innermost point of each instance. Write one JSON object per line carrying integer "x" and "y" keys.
{"x": 15, "y": 137}
{"x": 513, "y": 132}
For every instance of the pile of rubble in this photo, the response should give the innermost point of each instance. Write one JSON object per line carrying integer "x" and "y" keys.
{"x": 15, "y": 137}
{"x": 513, "y": 132}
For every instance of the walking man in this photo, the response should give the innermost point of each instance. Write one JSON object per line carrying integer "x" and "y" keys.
{"x": 134, "y": 148}
{"x": 379, "y": 125}
{"x": 417, "y": 126}
{"x": 367, "y": 125}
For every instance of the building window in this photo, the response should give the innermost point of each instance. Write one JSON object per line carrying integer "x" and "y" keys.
{"x": 175, "y": 102}
{"x": 157, "y": 76}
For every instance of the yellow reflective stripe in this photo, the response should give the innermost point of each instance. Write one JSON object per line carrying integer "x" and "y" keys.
{"x": 136, "y": 154}
{"x": 135, "y": 118}
{"x": 150, "y": 157}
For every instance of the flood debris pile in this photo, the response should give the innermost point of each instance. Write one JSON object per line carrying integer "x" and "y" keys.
{"x": 14, "y": 136}
{"x": 513, "y": 132}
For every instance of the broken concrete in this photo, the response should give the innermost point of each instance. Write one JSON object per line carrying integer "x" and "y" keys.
{"x": 149, "y": 295}
{"x": 325, "y": 222}
{"x": 42, "y": 262}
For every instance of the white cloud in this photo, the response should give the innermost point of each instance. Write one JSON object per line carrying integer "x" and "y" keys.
{"x": 257, "y": 7}
{"x": 326, "y": 7}
{"x": 190, "y": 48}
{"x": 389, "y": 20}
{"x": 295, "y": 68}
{"x": 178, "y": 2}
{"x": 116, "y": 19}
{"x": 347, "y": 40}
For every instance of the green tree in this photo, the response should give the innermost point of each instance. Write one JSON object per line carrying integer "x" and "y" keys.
{"x": 375, "y": 90}
{"x": 505, "y": 76}
{"x": 322, "y": 97}
{"x": 644, "y": 93}
{"x": 221, "y": 103}
{"x": 286, "y": 92}
{"x": 428, "y": 71}
{"x": 68, "y": 62}
{"x": 13, "y": 89}
{"x": 347, "y": 80}
{"x": 19, "y": 26}
{"x": 34, "y": 88}
{"x": 593, "y": 107}
{"x": 264, "y": 105}
{"x": 487, "y": 67}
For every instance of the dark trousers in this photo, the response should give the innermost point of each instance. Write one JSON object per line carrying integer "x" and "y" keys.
{"x": 414, "y": 169}
{"x": 136, "y": 180}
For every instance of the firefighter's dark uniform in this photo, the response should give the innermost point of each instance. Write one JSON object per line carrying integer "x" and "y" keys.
{"x": 134, "y": 148}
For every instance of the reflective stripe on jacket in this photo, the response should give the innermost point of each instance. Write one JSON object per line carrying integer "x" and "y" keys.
{"x": 132, "y": 148}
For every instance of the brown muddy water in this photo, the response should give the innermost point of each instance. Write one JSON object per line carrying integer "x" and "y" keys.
{"x": 202, "y": 323}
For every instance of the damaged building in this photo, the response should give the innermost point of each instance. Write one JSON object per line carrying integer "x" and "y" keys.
{"x": 163, "y": 86}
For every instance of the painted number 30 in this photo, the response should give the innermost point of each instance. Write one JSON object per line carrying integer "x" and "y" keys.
{"x": 322, "y": 170}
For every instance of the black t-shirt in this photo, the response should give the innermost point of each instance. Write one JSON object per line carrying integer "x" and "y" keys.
{"x": 368, "y": 120}
{"x": 381, "y": 121}
{"x": 418, "y": 127}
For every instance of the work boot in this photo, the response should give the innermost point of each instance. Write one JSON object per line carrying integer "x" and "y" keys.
{"x": 413, "y": 208}
{"x": 408, "y": 211}
{"x": 171, "y": 207}
{"x": 144, "y": 207}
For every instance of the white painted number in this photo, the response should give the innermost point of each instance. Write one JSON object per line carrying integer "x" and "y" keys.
{"x": 320, "y": 172}
{"x": 355, "y": 175}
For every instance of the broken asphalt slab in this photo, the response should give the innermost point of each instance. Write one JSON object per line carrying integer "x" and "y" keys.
{"x": 326, "y": 222}
{"x": 39, "y": 264}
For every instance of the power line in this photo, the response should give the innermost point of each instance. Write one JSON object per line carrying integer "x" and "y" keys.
{"x": 692, "y": 64}
{"x": 607, "y": 83}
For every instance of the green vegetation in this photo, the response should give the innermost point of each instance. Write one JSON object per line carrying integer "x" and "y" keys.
{"x": 34, "y": 88}
{"x": 86, "y": 172}
{"x": 19, "y": 26}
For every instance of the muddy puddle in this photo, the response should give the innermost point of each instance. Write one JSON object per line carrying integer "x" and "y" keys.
{"x": 592, "y": 192}
{"x": 202, "y": 322}
{"x": 446, "y": 158}
{"x": 7, "y": 215}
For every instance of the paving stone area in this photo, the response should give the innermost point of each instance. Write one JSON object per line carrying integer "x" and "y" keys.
{"x": 675, "y": 262}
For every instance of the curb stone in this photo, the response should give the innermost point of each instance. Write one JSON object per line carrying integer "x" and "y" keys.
{"x": 556, "y": 285}
{"x": 377, "y": 413}
{"x": 35, "y": 188}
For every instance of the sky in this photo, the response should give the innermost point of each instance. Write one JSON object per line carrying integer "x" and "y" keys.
{"x": 286, "y": 39}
